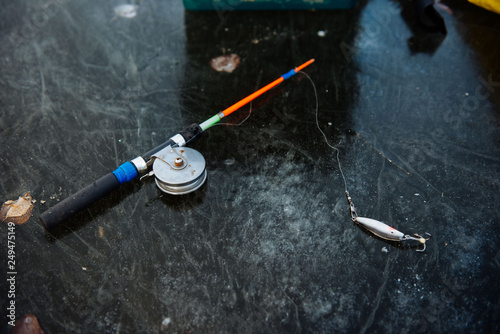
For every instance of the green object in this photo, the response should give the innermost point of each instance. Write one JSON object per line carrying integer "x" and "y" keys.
{"x": 209, "y": 122}
{"x": 228, "y": 5}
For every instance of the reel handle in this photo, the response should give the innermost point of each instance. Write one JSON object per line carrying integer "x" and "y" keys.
{"x": 79, "y": 201}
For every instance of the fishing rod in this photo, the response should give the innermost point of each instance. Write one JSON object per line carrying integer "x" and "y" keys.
{"x": 177, "y": 169}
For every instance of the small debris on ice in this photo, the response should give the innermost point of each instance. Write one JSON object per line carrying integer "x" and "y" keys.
{"x": 101, "y": 231}
{"x": 18, "y": 211}
{"x": 127, "y": 11}
{"x": 165, "y": 323}
{"x": 225, "y": 63}
{"x": 27, "y": 325}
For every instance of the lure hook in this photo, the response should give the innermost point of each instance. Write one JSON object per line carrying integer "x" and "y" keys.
{"x": 418, "y": 238}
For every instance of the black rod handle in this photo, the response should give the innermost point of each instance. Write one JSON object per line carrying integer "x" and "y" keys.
{"x": 106, "y": 184}
{"x": 79, "y": 201}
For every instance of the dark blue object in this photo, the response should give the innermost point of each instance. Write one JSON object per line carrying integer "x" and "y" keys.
{"x": 125, "y": 172}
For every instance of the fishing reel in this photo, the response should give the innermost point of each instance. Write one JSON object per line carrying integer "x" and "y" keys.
{"x": 178, "y": 170}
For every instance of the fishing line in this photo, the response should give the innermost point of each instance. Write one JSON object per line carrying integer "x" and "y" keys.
{"x": 324, "y": 135}
{"x": 240, "y": 123}
{"x": 378, "y": 228}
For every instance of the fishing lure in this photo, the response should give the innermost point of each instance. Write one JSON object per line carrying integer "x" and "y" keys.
{"x": 383, "y": 230}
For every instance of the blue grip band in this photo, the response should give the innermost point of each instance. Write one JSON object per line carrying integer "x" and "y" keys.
{"x": 125, "y": 172}
{"x": 289, "y": 74}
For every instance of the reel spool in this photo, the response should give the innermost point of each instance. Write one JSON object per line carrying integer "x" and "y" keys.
{"x": 179, "y": 170}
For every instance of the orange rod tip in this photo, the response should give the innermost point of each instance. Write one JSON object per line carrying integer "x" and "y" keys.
{"x": 307, "y": 63}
